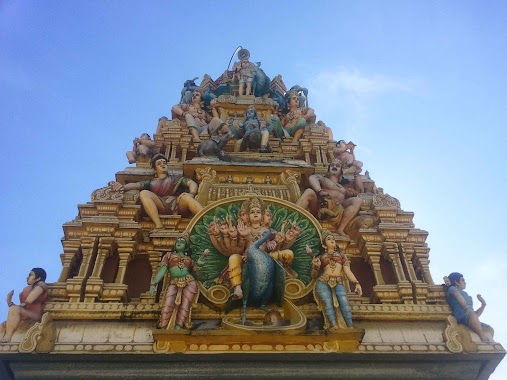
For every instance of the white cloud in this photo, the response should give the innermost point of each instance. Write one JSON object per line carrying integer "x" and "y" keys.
{"x": 345, "y": 96}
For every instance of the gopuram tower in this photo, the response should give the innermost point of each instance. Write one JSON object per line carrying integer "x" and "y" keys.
{"x": 245, "y": 241}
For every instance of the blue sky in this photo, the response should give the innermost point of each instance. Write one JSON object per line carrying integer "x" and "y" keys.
{"x": 419, "y": 86}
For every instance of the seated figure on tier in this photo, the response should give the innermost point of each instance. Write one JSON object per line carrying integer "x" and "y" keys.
{"x": 164, "y": 194}
{"x": 462, "y": 305}
{"x": 31, "y": 300}
{"x": 182, "y": 291}
{"x": 294, "y": 122}
{"x": 253, "y": 133}
{"x": 143, "y": 146}
{"x": 328, "y": 269}
{"x": 327, "y": 194}
{"x": 198, "y": 121}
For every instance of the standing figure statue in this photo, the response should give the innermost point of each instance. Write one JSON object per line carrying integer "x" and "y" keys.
{"x": 143, "y": 146}
{"x": 351, "y": 167}
{"x": 462, "y": 305}
{"x": 164, "y": 194}
{"x": 198, "y": 121}
{"x": 327, "y": 190}
{"x": 31, "y": 299}
{"x": 244, "y": 71}
{"x": 182, "y": 292}
{"x": 328, "y": 269}
{"x": 294, "y": 122}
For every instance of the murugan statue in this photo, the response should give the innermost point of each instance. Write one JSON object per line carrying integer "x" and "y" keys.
{"x": 462, "y": 306}
{"x": 163, "y": 195}
{"x": 182, "y": 291}
{"x": 329, "y": 269}
{"x": 326, "y": 192}
{"x": 31, "y": 298}
{"x": 234, "y": 241}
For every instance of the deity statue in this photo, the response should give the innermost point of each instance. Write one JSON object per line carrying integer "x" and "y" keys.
{"x": 198, "y": 121}
{"x": 351, "y": 167}
{"x": 143, "y": 146}
{"x": 31, "y": 299}
{"x": 328, "y": 269}
{"x": 326, "y": 195}
{"x": 244, "y": 71}
{"x": 253, "y": 220}
{"x": 163, "y": 195}
{"x": 462, "y": 305}
{"x": 293, "y": 123}
{"x": 253, "y": 133}
{"x": 182, "y": 292}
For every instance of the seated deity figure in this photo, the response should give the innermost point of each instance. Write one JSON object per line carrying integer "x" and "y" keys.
{"x": 294, "y": 122}
{"x": 244, "y": 72}
{"x": 326, "y": 189}
{"x": 253, "y": 132}
{"x": 198, "y": 121}
{"x": 351, "y": 167}
{"x": 31, "y": 299}
{"x": 462, "y": 305}
{"x": 328, "y": 269}
{"x": 143, "y": 146}
{"x": 234, "y": 241}
{"x": 182, "y": 291}
{"x": 163, "y": 195}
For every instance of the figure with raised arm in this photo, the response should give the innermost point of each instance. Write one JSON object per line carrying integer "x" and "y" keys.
{"x": 143, "y": 146}
{"x": 166, "y": 194}
{"x": 351, "y": 167}
{"x": 462, "y": 305}
{"x": 293, "y": 123}
{"x": 182, "y": 291}
{"x": 197, "y": 119}
{"x": 31, "y": 299}
{"x": 326, "y": 189}
{"x": 329, "y": 269}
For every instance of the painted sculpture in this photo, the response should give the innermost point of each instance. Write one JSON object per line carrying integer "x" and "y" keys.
{"x": 198, "y": 121}
{"x": 182, "y": 291}
{"x": 31, "y": 299}
{"x": 293, "y": 123}
{"x": 462, "y": 306}
{"x": 163, "y": 195}
{"x": 233, "y": 241}
{"x": 264, "y": 277}
{"x": 326, "y": 196}
{"x": 253, "y": 133}
{"x": 329, "y": 270}
{"x": 143, "y": 146}
{"x": 244, "y": 72}
{"x": 351, "y": 167}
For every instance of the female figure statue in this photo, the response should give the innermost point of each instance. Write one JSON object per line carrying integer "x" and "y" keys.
{"x": 462, "y": 304}
{"x": 182, "y": 292}
{"x": 31, "y": 298}
{"x": 329, "y": 292}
